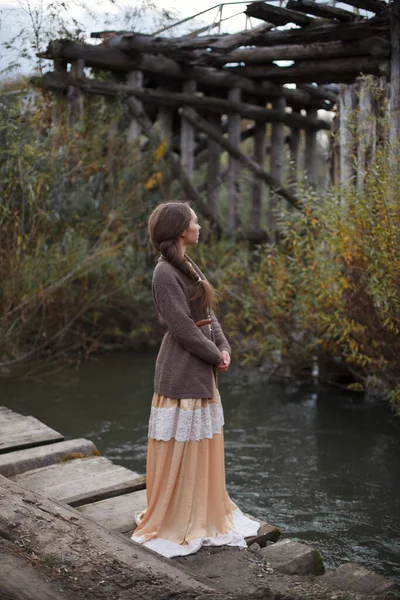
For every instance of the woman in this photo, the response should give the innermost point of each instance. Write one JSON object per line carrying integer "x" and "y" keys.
{"x": 188, "y": 505}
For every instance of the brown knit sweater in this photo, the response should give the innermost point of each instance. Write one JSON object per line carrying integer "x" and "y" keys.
{"x": 187, "y": 352}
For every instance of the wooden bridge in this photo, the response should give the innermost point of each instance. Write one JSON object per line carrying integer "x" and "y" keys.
{"x": 63, "y": 504}
{"x": 206, "y": 94}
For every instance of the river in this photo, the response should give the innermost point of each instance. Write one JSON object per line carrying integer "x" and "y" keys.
{"x": 324, "y": 466}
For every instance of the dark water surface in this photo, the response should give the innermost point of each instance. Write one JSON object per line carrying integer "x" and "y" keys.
{"x": 324, "y": 467}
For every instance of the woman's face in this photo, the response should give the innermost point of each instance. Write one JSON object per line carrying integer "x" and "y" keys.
{"x": 191, "y": 234}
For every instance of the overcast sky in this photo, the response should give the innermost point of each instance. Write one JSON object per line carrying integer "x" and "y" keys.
{"x": 107, "y": 15}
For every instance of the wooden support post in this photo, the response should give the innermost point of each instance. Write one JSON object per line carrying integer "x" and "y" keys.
{"x": 259, "y": 157}
{"x": 277, "y": 163}
{"x": 366, "y": 132}
{"x": 187, "y": 135}
{"x": 134, "y": 79}
{"x": 394, "y": 135}
{"x": 75, "y": 95}
{"x": 311, "y": 151}
{"x": 334, "y": 151}
{"x": 213, "y": 168}
{"x": 165, "y": 116}
{"x": 58, "y": 108}
{"x": 346, "y": 133}
{"x": 234, "y": 95}
{"x": 294, "y": 168}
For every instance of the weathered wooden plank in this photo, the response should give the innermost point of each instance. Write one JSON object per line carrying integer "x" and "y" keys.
{"x": 81, "y": 480}
{"x": 117, "y": 514}
{"x": 19, "y": 461}
{"x": 276, "y": 14}
{"x": 20, "y": 580}
{"x": 19, "y": 431}
{"x": 69, "y": 538}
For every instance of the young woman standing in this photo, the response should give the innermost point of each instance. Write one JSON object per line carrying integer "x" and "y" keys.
{"x": 188, "y": 505}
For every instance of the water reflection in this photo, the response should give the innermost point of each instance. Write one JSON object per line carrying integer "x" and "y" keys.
{"x": 324, "y": 467}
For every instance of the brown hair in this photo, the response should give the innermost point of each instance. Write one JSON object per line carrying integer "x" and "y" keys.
{"x": 166, "y": 223}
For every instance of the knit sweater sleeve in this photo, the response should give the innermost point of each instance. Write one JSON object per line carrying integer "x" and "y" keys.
{"x": 173, "y": 306}
{"x": 219, "y": 336}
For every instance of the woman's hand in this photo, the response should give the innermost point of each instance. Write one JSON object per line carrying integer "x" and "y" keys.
{"x": 226, "y": 361}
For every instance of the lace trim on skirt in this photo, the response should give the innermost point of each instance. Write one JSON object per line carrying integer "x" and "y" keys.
{"x": 186, "y": 425}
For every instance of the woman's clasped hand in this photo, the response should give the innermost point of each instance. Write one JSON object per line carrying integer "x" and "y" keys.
{"x": 225, "y": 362}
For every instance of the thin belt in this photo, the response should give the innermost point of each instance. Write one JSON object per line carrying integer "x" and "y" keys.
{"x": 203, "y": 322}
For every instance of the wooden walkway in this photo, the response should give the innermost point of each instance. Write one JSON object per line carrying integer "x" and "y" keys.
{"x": 49, "y": 485}
{"x": 73, "y": 472}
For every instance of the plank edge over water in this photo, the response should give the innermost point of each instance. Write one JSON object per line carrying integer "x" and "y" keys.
{"x": 18, "y": 431}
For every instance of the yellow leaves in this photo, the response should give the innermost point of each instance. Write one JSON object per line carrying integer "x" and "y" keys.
{"x": 153, "y": 181}
{"x": 161, "y": 151}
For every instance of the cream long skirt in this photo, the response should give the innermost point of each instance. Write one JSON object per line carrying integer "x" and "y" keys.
{"x": 187, "y": 502}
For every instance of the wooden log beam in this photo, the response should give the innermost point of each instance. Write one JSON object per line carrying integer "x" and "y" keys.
{"x": 322, "y": 10}
{"x": 341, "y": 69}
{"x": 242, "y": 38}
{"x": 327, "y": 32}
{"x": 59, "y": 82}
{"x": 134, "y": 42}
{"x": 101, "y": 57}
{"x": 321, "y": 91}
{"x": 375, "y": 6}
{"x": 276, "y": 14}
{"x": 317, "y": 51}
{"x": 201, "y": 124}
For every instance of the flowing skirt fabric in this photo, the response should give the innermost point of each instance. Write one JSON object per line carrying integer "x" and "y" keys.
{"x": 187, "y": 502}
